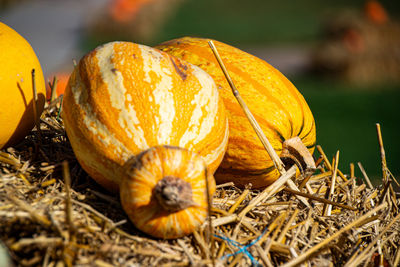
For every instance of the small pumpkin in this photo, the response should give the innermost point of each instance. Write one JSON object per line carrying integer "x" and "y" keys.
{"x": 164, "y": 192}
{"x": 277, "y": 105}
{"x": 17, "y": 60}
{"x": 123, "y": 99}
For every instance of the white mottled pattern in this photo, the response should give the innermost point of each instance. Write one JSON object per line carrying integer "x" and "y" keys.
{"x": 207, "y": 98}
{"x": 97, "y": 128}
{"x": 162, "y": 91}
{"x": 118, "y": 96}
{"x": 214, "y": 154}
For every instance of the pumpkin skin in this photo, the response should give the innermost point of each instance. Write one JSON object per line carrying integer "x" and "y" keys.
{"x": 122, "y": 102}
{"x": 138, "y": 196}
{"x": 276, "y": 104}
{"x": 124, "y": 98}
{"x": 16, "y": 95}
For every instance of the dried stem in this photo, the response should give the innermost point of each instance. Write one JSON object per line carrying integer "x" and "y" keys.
{"x": 376, "y": 239}
{"x": 210, "y": 228}
{"x": 365, "y": 175}
{"x": 328, "y": 208}
{"x": 326, "y": 241}
{"x": 35, "y": 215}
{"x": 267, "y": 145}
{"x": 225, "y": 185}
{"x": 53, "y": 87}
{"x": 68, "y": 206}
{"x": 269, "y": 191}
{"x": 397, "y": 257}
{"x": 385, "y": 189}
{"x": 288, "y": 224}
{"x": 319, "y": 199}
{"x": 290, "y": 184}
{"x": 8, "y": 159}
{"x": 328, "y": 164}
{"x": 352, "y": 170}
{"x": 382, "y": 150}
{"x": 187, "y": 252}
{"x": 35, "y": 109}
{"x": 239, "y": 200}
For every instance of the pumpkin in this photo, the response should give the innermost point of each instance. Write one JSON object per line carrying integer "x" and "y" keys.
{"x": 16, "y": 94}
{"x": 276, "y": 104}
{"x": 123, "y": 99}
{"x": 166, "y": 200}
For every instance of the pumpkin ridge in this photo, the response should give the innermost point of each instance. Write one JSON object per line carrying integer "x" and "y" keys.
{"x": 203, "y": 52}
{"x": 101, "y": 133}
{"x": 111, "y": 76}
{"x": 134, "y": 95}
{"x": 215, "y": 153}
{"x": 256, "y": 172}
{"x": 301, "y": 127}
{"x": 253, "y": 146}
{"x": 281, "y": 137}
{"x": 239, "y": 113}
{"x": 154, "y": 69}
{"x": 179, "y": 68}
{"x": 312, "y": 146}
{"x": 294, "y": 92}
{"x": 308, "y": 133}
{"x": 201, "y": 101}
{"x": 261, "y": 86}
{"x": 233, "y": 71}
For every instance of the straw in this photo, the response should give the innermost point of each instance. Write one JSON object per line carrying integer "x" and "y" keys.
{"x": 267, "y": 145}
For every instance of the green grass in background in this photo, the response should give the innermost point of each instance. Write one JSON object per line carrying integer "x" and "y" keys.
{"x": 257, "y": 21}
{"x": 345, "y": 118}
{"x": 249, "y": 22}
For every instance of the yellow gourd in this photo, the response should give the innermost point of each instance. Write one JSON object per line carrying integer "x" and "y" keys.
{"x": 164, "y": 191}
{"x": 276, "y": 104}
{"x": 124, "y": 99}
{"x": 17, "y": 59}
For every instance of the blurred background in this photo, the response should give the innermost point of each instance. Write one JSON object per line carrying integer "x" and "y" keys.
{"x": 343, "y": 56}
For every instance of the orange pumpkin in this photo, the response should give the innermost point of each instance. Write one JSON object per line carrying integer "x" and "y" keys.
{"x": 276, "y": 104}
{"x": 164, "y": 192}
{"x": 16, "y": 94}
{"x": 124, "y": 98}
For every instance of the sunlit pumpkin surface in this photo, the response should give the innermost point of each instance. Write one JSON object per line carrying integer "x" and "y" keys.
{"x": 137, "y": 192}
{"x": 276, "y": 104}
{"x": 17, "y": 59}
{"x": 124, "y": 98}
{"x": 122, "y": 104}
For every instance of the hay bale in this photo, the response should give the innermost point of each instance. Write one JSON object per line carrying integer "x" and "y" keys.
{"x": 348, "y": 220}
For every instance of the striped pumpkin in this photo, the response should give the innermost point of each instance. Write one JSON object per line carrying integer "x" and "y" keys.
{"x": 276, "y": 104}
{"x": 166, "y": 200}
{"x": 125, "y": 98}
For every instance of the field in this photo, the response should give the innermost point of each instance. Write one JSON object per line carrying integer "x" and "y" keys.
{"x": 346, "y": 117}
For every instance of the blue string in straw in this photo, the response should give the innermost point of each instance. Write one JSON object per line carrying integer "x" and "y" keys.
{"x": 242, "y": 249}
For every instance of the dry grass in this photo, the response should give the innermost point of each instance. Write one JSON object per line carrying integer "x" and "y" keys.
{"x": 47, "y": 220}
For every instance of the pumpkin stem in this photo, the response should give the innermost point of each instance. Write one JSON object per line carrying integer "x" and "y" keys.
{"x": 295, "y": 152}
{"x": 174, "y": 194}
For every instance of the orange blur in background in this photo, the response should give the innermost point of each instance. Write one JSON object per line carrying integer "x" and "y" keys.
{"x": 62, "y": 81}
